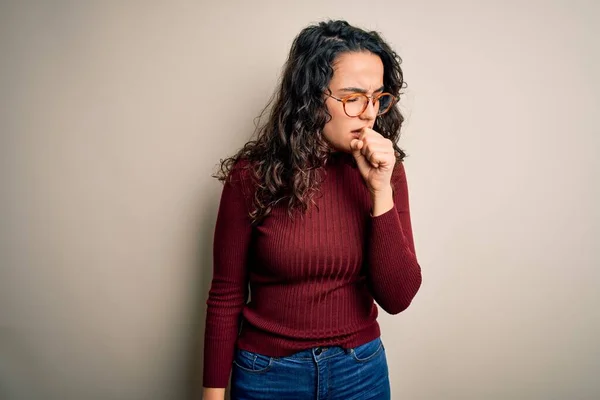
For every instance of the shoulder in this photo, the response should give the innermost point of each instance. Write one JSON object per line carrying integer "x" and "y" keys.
{"x": 241, "y": 172}
{"x": 241, "y": 178}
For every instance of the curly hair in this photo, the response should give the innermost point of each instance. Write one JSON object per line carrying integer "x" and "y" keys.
{"x": 289, "y": 152}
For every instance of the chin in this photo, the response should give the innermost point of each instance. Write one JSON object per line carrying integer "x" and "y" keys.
{"x": 347, "y": 149}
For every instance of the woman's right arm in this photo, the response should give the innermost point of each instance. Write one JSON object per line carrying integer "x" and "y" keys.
{"x": 213, "y": 394}
{"x": 229, "y": 287}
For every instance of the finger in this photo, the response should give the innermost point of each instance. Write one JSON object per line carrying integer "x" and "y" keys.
{"x": 369, "y": 149}
{"x": 356, "y": 146}
{"x": 367, "y": 132}
{"x": 382, "y": 159}
{"x": 368, "y": 153}
{"x": 381, "y": 155}
{"x": 378, "y": 158}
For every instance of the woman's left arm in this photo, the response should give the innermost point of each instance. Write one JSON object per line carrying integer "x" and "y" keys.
{"x": 393, "y": 271}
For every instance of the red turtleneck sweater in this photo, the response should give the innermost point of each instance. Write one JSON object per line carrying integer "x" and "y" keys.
{"x": 313, "y": 280}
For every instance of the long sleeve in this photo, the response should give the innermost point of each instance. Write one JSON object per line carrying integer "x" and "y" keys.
{"x": 393, "y": 271}
{"x": 228, "y": 292}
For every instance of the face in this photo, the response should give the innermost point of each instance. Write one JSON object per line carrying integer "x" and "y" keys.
{"x": 353, "y": 72}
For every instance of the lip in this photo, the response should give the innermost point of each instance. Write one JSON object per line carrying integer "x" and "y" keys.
{"x": 356, "y": 132}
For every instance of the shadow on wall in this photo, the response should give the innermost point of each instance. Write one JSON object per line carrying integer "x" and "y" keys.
{"x": 258, "y": 112}
{"x": 200, "y": 286}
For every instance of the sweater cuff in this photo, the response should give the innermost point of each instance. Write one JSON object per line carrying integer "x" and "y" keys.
{"x": 386, "y": 215}
{"x": 387, "y": 228}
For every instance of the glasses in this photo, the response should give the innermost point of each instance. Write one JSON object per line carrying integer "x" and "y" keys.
{"x": 356, "y": 103}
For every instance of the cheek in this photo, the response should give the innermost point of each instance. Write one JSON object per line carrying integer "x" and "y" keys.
{"x": 337, "y": 125}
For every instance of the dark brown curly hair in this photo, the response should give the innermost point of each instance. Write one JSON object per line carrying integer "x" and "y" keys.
{"x": 289, "y": 152}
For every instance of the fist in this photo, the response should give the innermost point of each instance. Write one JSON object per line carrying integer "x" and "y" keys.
{"x": 375, "y": 157}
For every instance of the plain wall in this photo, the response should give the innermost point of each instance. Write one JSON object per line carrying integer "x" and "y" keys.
{"x": 113, "y": 116}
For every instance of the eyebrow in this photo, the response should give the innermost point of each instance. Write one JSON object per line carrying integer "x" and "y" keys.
{"x": 359, "y": 90}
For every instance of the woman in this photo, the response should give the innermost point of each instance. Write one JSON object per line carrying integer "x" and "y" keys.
{"x": 313, "y": 228}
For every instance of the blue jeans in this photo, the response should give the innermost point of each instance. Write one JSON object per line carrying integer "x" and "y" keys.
{"x": 331, "y": 373}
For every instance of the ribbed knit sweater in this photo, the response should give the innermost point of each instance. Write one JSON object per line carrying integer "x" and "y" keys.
{"x": 286, "y": 284}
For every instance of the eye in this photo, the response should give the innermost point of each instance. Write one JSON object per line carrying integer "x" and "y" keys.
{"x": 354, "y": 98}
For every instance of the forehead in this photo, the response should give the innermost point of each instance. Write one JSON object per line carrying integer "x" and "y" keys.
{"x": 361, "y": 69}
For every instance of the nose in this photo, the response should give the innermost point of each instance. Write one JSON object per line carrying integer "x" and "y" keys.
{"x": 370, "y": 112}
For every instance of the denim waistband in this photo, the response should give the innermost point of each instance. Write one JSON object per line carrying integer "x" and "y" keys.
{"x": 321, "y": 352}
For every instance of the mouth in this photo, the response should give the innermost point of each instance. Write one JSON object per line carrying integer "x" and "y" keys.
{"x": 357, "y": 132}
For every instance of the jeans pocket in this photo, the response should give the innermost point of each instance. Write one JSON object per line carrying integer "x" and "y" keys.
{"x": 252, "y": 362}
{"x": 368, "y": 351}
